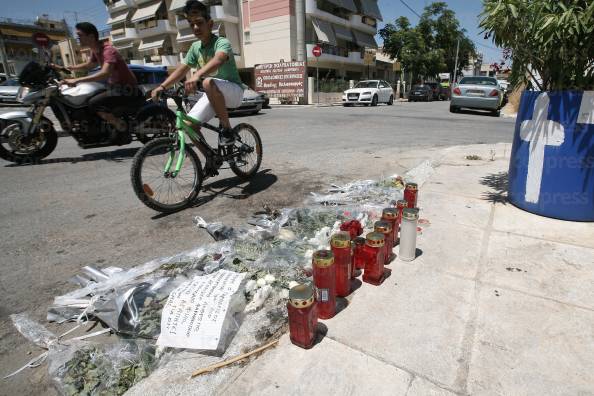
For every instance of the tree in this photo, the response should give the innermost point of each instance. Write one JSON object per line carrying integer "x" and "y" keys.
{"x": 407, "y": 44}
{"x": 439, "y": 24}
{"x": 430, "y": 47}
{"x": 548, "y": 41}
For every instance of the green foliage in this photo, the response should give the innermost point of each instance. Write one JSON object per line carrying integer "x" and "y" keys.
{"x": 552, "y": 39}
{"x": 430, "y": 47}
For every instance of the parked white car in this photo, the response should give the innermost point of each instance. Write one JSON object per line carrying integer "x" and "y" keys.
{"x": 369, "y": 92}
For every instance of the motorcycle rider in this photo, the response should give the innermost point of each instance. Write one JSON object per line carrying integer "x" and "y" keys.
{"x": 213, "y": 56}
{"x": 122, "y": 87}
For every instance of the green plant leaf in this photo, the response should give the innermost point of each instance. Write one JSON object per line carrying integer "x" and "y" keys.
{"x": 513, "y": 10}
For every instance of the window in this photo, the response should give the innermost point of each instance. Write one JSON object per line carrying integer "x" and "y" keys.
{"x": 52, "y": 26}
{"x": 479, "y": 81}
{"x": 150, "y": 23}
{"x": 366, "y": 84}
{"x": 246, "y": 36}
{"x": 369, "y": 21}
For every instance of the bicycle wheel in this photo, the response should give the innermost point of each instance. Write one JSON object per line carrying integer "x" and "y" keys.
{"x": 248, "y": 147}
{"x": 159, "y": 190}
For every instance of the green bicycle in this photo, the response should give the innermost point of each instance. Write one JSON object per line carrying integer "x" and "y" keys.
{"x": 167, "y": 174}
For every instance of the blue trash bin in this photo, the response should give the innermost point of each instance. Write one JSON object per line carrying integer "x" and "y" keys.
{"x": 551, "y": 171}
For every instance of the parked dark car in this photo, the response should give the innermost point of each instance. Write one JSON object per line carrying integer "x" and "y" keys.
{"x": 421, "y": 92}
{"x": 266, "y": 99}
{"x": 434, "y": 89}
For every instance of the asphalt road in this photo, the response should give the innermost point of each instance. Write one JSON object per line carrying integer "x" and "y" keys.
{"x": 77, "y": 207}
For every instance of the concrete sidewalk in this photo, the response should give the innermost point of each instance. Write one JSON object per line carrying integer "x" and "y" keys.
{"x": 499, "y": 301}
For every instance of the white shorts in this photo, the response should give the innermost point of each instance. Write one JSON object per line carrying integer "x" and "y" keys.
{"x": 233, "y": 94}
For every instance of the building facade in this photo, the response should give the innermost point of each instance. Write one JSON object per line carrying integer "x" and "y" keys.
{"x": 16, "y": 40}
{"x": 153, "y": 32}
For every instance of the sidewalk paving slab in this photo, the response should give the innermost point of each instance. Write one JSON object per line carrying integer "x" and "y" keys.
{"x": 421, "y": 387}
{"x": 415, "y": 320}
{"x": 450, "y": 248}
{"x": 530, "y": 346}
{"x": 330, "y": 368}
{"x": 544, "y": 268}
{"x": 451, "y": 209}
{"x": 510, "y": 219}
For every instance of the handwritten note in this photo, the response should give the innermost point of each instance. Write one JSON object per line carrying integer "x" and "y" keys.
{"x": 194, "y": 314}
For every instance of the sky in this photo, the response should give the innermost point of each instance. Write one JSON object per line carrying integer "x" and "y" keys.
{"x": 94, "y": 11}
{"x": 467, "y": 12}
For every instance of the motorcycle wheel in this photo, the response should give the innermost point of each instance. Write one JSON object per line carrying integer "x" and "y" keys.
{"x": 39, "y": 146}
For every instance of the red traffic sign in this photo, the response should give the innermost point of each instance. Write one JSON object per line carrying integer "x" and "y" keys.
{"x": 317, "y": 51}
{"x": 41, "y": 39}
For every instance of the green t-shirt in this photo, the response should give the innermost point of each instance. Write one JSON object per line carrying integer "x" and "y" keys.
{"x": 200, "y": 55}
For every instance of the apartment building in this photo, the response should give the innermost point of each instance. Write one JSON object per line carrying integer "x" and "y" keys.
{"x": 153, "y": 32}
{"x": 16, "y": 36}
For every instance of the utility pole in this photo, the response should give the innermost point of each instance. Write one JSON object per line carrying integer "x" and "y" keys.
{"x": 454, "y": 76}
{"x": 4, "y": 56}
{"x": 301, "y": 50}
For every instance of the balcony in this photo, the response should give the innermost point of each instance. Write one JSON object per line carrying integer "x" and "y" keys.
{"x": 119, "y": 5}
{"x": 154, "y": 27}
{"x": 158, "y": 60}
{"x": 166, "y": 60}
{"x": 331, "y": 53}
{"x": 181, "y": 22}
{"x": 356, "y": 22}
{"x": 217, "y": 13}
{"x": 311, "y": 8}
{"x": 123, "y": 35}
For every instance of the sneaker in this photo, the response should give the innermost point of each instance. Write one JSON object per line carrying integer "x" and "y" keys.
{"x": 226, "y": 137}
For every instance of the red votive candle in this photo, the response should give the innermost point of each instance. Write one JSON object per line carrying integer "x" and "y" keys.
{"x": 324, "y": 277}
{"x": 303, "y": 317}
{"x": 411, "y": 193}
{"x": 341, "y": 249}
{"x": 358, "y": 254}
{"x": 391, "y": 216}
{"x": 385, "y": 228}
{"x": 374, "y": 258}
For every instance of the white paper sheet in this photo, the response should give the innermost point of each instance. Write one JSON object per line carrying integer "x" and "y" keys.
{"x": 194, "y": 314}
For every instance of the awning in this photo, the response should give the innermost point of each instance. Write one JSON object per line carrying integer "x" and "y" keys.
{"x": 17, "y": 33}
{"x": 324, "y": 31}
{"x": 146, "y": 45}
{"x": 343, "y": 33}
{"x": 146, "y": 12}
{"x": 177, "y": 5}
{"x": 57, "y": 37}
{"x": 117, "y": 18}
{"x": 364, "y": 39}
{"x": 370, "y": 8}
{"x": 124, "y": 46}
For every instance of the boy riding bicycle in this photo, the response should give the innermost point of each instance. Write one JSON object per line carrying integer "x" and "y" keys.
{"x": 213, "y": 57}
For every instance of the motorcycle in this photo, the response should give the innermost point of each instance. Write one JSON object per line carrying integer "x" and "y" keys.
{"x": 29, "y": 136}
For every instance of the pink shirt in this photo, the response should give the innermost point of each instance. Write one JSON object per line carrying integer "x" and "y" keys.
{"x": 120, "y": 75}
